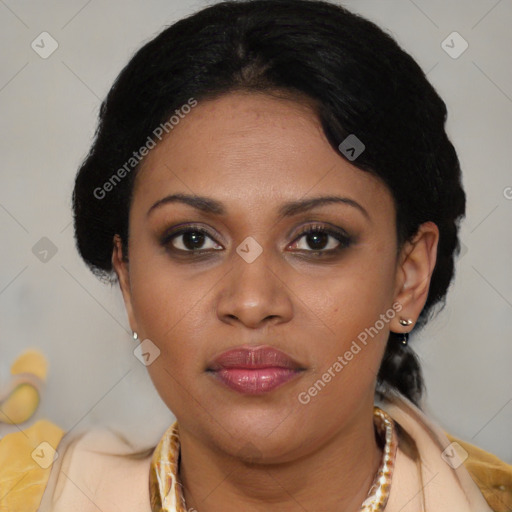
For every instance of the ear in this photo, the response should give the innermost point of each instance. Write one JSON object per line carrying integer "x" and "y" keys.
{"x": 415, "y": 267}
{"x": 121, "y": 267}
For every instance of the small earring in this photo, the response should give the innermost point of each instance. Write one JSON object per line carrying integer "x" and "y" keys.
{"x": 404, "y": 322}
{"x": 402, "y": 337}
{"x": 135, "y": 335}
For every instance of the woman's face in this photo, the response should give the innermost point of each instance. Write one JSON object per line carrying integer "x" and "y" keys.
{"x": 260, "y": 166}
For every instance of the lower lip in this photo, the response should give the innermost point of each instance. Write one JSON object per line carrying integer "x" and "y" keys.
{"x": 257, "y": 381}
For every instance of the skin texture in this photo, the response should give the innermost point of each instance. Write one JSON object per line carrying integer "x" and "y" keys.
{"x": 253, "y": 152}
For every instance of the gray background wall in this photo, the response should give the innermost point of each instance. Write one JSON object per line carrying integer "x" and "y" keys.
{"x": 48, "y": 116}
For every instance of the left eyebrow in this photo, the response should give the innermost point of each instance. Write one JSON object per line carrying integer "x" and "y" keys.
{"x": 212, "y": 206}
{"x": 304, "y": 205}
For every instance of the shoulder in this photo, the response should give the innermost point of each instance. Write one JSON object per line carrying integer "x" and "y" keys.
{"x": 481, "y": 479}
{"x": 99, "y": 469}
{"x": 492, "y": 475}
{"x": 26, "y": 458}
{"x": 44, "y": 469}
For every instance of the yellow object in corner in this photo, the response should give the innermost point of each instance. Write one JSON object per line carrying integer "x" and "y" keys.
{"x": 26, "y": 459}
{"x": 20, "y": 405}
{"x": 21, "y": 400}
{"x": 31, "y": 361}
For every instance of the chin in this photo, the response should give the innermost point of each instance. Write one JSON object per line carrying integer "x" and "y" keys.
{"x": 266, "y": 435}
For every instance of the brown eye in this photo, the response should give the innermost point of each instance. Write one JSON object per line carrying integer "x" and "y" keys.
{"x": 319, "y": 239}
{"x": 191, "y": 239}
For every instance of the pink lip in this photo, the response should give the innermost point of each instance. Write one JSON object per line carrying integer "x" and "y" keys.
{"x": 254, "y": 370}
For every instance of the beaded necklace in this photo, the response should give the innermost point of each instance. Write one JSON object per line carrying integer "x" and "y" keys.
{"x": 166, "y": 493}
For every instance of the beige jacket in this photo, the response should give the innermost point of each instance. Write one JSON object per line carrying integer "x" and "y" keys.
{"x": 89, "y": 475}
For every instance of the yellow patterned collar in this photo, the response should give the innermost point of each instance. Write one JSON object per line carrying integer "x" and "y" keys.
{"x": 165, "y": 490}
{"x": 493, "y": 476}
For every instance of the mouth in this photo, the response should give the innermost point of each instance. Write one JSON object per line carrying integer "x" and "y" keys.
{"x": 254, "y": 371}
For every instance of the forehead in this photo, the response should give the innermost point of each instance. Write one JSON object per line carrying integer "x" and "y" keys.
{"x": 252, "y": 148}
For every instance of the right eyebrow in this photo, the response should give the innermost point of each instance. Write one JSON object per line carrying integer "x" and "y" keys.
{"x": 205, "y": 204}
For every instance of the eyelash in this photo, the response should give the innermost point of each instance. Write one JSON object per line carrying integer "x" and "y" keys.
{"x": 344, "y": 240}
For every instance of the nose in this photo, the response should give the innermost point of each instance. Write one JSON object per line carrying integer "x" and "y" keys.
{"x": 254, "y": 294}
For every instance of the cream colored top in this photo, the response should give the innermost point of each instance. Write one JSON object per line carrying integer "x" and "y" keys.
{"x": 85, "y": 480}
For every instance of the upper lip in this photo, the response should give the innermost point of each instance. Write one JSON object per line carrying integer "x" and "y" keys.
{"x": 253, "y": 358}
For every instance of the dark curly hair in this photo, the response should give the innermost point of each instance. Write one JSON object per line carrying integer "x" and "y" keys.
{"x": 360, "y": 82}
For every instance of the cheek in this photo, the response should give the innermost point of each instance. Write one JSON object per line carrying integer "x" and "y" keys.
{"x": 347, "y": 360}
{"x": 164, "y": 308}
{"x": 163, "y": 294}
{"x": 170, "y": 308}
{"x": 355, "y": 306}
{"x": 167, "y": 308}
{"x": 354, "y": 296}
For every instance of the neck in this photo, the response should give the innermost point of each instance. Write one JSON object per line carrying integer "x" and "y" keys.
{"x": 335, "y": 476}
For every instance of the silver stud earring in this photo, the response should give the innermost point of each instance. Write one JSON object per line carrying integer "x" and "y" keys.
{"x": 405, "y": 322}
{"x": 135, "y": 335}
